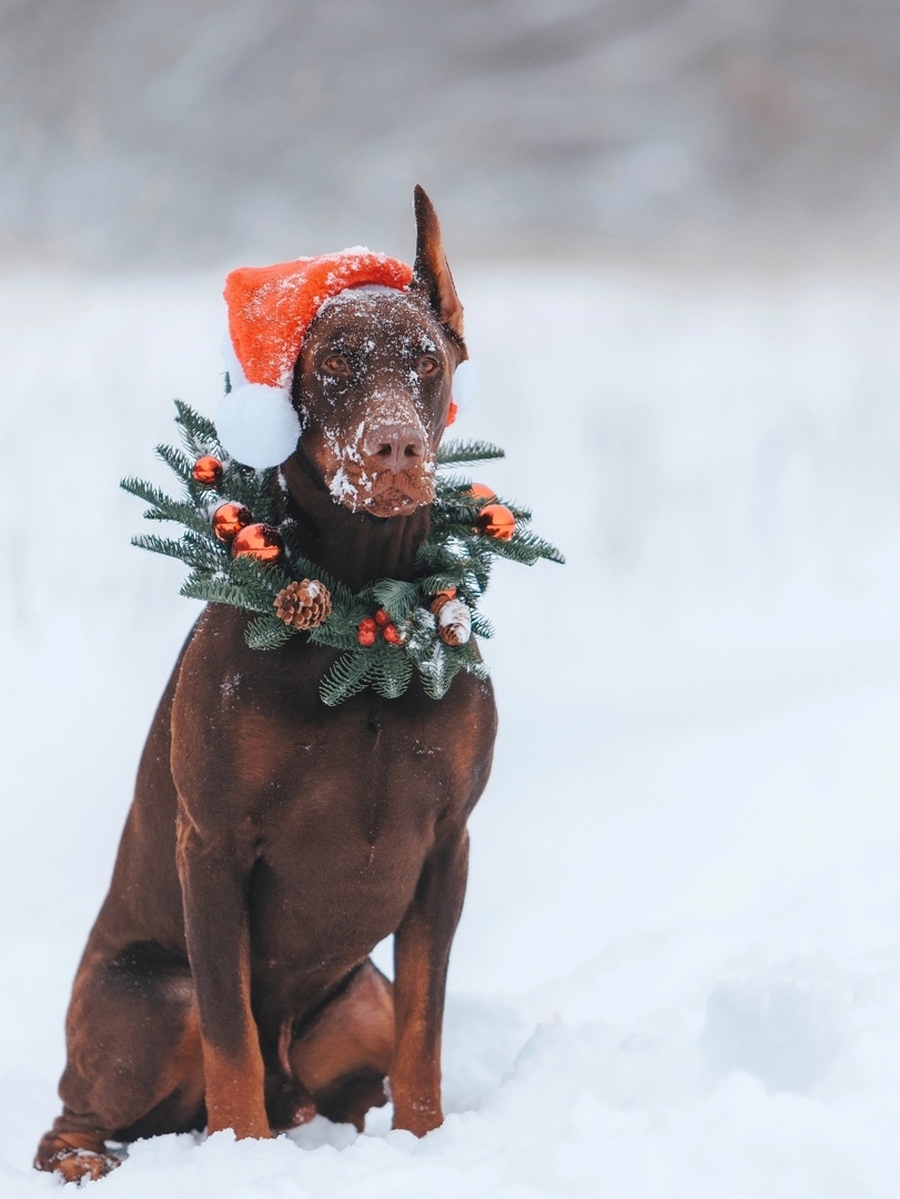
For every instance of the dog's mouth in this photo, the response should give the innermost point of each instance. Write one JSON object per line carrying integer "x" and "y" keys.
{"x": 384, "y": 467}
{"x": 381, "y": 493}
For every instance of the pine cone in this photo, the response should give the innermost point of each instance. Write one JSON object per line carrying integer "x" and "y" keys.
{"x": 454, "y": 620}
{"x": 304, "y": 605}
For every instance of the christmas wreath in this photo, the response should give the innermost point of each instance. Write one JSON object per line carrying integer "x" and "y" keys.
{"x": 239, "y": 554}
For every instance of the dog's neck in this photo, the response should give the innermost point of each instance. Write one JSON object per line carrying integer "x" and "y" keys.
{"x": 352, "y": 546}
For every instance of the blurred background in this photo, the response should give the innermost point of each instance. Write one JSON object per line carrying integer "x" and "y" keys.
{"x": 674, "y": 226}
{"x": 175, "y": 135}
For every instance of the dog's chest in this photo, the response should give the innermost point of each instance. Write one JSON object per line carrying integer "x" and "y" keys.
{"x": 366, "y": 789}
{"x": 355, "y": 806}
{"x": 340, "y": 806}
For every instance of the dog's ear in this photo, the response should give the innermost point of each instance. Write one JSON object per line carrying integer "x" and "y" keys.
{"x": 431, "y": 275}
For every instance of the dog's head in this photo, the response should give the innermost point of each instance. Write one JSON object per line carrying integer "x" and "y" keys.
{"x": 372, "y": 383}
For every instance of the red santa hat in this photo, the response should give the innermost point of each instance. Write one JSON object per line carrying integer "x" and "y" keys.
{"x": 269, "y": 310}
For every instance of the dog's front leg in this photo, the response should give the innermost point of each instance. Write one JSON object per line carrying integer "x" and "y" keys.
{"x": 214, "y": 872}
{"x": 421, "y": 954}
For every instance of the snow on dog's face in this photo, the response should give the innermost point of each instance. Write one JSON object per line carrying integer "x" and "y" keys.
{"x": 372, "y": 384}
{"x": 372, "y": 387}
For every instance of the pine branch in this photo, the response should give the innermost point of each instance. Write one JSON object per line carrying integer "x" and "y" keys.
{"x": 177, "y": 461}
{"x": 147, "y": 492}
{"x": 267, "y": 632}
{"x": 472, "y": 661}
{"x": 221, "y": 591}
{"x": 334, "y": 634}
{"x": 268, "y": 578}
{"x": 444, "y": 580}
{"x": 198, "y": 433}
{"x": 481, "y": 626}
{"x": 163, "y": 507}
{"x": 186, "y": 549}
{"x": 392, "y": 672}
{"x": 181, "y": 513}
{"x": 527, "y": 548}
{"x": 204, "y": 551}
{"x": 160, "y": 545}
{"x": 436, "y": 680}
{"x": 431, "y": 656}
{"x": 447, "y": 553}
{"x": 459, "y": 453}
{"x": 396, "y": 597}
{"x": 350, "y": 673}
{"x": 451, "y": 487}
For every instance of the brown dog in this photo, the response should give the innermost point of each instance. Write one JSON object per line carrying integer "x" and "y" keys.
{"x": 274, "y": 841}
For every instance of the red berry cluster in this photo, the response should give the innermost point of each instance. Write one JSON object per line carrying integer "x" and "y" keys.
{"x": 368, "y": 629}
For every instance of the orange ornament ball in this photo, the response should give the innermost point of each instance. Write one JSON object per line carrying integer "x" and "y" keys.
{"x": 481, "y": 491}
{"x": 496, "y": 520}
{"x": 259, "y": 541}
{"x": 228, "y": 520}
{"x": 207, "y": 471}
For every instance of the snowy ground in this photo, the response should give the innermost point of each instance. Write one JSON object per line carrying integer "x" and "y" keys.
{"x": 678, "y": 972}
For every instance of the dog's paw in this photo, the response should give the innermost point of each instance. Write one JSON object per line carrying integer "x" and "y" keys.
{"x": 83, "y": 1165}
{"x": 303, "y": 1113}
{"x": 71, "y": 1162}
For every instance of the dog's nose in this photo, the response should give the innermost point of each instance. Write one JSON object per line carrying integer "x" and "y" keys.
{"x": 394, "y": 447}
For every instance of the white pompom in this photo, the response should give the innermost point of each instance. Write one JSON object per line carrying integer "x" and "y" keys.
{"x": 463, "y": 385}
{"x": 236, "y": 375}
{"x": 257, "y": 425}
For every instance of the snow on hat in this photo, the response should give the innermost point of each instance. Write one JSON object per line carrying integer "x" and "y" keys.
{"x": 269, "y": 310}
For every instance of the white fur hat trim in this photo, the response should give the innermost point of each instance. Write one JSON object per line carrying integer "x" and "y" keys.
{"x": 463, "y": 385}
{"x": 257, "y": 425}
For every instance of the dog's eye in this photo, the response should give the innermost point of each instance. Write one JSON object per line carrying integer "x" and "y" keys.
{"x": 426, "y": 365}
{"x": 336, "y": 364}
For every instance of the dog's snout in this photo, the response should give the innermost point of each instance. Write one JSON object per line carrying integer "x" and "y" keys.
{"x": 395, "y": 447}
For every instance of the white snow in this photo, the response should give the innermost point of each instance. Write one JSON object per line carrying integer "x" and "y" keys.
{"x": 678, "y": 970}
{"x": 350, "y": 293}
